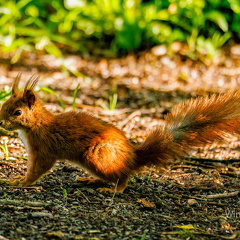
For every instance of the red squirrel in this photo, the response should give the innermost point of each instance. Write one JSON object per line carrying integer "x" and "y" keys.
{"x": 101, "y": 148}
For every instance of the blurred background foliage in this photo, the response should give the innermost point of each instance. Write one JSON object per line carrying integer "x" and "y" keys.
{"x": 116, "y": 26}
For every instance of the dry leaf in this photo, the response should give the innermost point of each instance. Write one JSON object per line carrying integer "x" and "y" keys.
{"x": 189, "y": 226}
{"x": 55, "y": 234}
{"x": 146, "y": 203}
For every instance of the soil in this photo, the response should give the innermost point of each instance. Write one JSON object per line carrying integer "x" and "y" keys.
{"x": 197, "y": 198}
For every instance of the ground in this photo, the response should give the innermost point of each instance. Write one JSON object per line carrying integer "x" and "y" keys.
{"x": 197, "y": 198}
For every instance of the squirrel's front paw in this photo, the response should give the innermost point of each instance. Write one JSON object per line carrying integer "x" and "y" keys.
{"x": 17, "y": 181}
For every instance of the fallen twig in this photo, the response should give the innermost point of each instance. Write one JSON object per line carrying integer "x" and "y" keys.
{"x": 126, "y": 120}
{"x": 22, "y": 187}
{"x": 22, "y": 203}
{"x": 214, "y": 159}
{"x": 223, "y": 195}
{"x": 233, "y": 236}
{"x": 230, "y": 174}
{"x": 3, "y": 238}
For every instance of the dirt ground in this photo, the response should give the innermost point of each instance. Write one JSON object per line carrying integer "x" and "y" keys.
{"x": 197, "y": 198}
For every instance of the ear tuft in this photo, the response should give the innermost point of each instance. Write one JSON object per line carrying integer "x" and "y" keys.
{"x": 31, "y": 83}
{"x": 15, "y": 84}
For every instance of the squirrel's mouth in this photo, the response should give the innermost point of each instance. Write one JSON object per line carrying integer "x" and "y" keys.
{"x": 6, "y": 126}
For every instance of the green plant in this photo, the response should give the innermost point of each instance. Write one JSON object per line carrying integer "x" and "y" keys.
{"x": 5, "y": 148}
{"x": 142, "y": 237}
{"x": 67, "y": 67}
{"x": 61, "y": 103}
{"x": 149, "y": 175}
{"x": 115, "y": 26}
{"x": 112, "y": 102}
{"x": 211, "y": 47}
{"x": 132, "y": 180}
{"x": 4, "y": 94}
{"x": 64, "y": 192}
{"x": 75, "y": 97}
{"x": 186, "y": 233}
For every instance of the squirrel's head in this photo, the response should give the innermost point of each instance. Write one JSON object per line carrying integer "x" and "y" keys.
{"x": 18, "y": 110}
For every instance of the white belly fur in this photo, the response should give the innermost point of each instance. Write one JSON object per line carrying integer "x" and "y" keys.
{"x": 23, "y": 136}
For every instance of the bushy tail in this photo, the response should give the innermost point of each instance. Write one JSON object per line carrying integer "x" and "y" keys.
{"x": 191, "y": 124}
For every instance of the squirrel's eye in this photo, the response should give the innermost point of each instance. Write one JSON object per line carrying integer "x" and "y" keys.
{"x": 17, "y": 113}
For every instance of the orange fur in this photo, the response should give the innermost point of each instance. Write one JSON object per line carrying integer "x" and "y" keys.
{"x": 101, "y": 148}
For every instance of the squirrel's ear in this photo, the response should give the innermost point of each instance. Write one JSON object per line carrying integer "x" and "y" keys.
{"x": 28, "y": 94}
{"x": 29, "y": 97}
{"x": 15, "y": 85}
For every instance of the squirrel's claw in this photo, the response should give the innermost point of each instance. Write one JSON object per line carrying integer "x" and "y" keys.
{"x": 4, "y": 180}
{"x": 17, "y": 181}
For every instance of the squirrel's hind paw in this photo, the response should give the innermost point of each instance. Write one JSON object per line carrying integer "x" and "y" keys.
{"x": 109, "y": 190}
{"x": 90, "y": 180}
